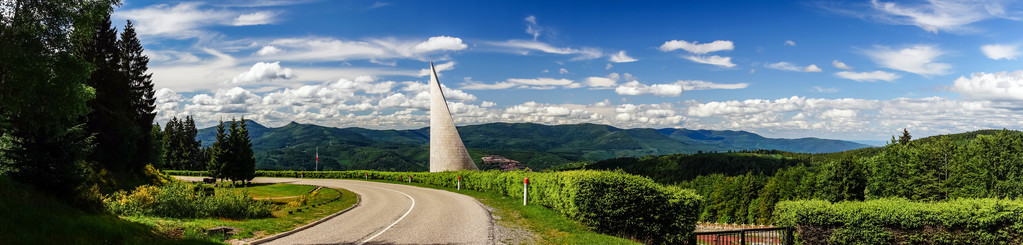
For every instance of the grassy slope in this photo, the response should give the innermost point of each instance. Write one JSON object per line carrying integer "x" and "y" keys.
{"x": 274, "y": 190}
{"x": 31, "y": 217}
{"x": 281, "y": 221}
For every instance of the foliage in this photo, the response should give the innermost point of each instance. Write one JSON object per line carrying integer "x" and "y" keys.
{"x": 676, "y": 168}
{"x": 901, "y": 221}
{"x": 231, "y": 156}
{"x": 181, "y": 149}
{"x": 183, "y": 200}
{"x": 609, "y": 202}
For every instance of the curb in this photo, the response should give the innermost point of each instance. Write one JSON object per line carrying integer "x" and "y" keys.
{"x": 293, "y": 231}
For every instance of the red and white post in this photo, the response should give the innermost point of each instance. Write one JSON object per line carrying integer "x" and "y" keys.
{"x": 459, "y": 182}
{"x": 410, "y": 179}
{"x": 525, "y": 191}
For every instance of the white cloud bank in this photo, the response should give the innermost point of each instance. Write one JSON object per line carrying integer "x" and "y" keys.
{"x": 1000, "y": 51}
{"x": 999, "y": 86}
{"x": 919, "y": 59}
{"x": 872, "y": 76}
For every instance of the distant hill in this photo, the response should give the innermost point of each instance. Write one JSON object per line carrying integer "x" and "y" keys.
{"x": 293, "y": 146}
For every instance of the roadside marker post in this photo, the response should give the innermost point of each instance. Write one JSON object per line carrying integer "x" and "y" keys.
{"x": 367, "y": 175}
{"x": 525, "y": 190}
{"x": 410, "y": 179}
{"x": 459, "y": 182}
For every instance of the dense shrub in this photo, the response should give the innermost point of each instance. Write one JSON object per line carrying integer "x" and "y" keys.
{"x": 609, "y": 202}
{"x": 900, "y": 221}
{"x": 184, "y": 200}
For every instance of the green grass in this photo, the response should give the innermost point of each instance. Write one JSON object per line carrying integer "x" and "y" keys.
{"x": 273, "y": 190}
{"x": 550, "y": 226}
{"x": 28, "y": 216}
{"x": 281, "y": 221}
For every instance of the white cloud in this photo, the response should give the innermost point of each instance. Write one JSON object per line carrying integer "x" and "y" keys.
{"x": 919, "y": 59}
{"x": 562, "y": 71}
{"x": 532, "y": 28}
{"x": 268, "y": 50}
{"x": 812, "y": 68}
{"x": 841, "y": 65}
{"x": 944, "y": 15}
{"x": 603, "y": 82}
{"x": 313, "y": 49}
{"x": 522, "y": 83}
{"x": 697, "y": 48}
{"x": 440, "y": 43}
{"x": 637, "y": 88}
{"x": 712, "y": 60}
{"x": 621, "y": 57}
{"x": 256, "y": 18}
{"x": 1000, "y": 51}
{"x": 487, "y": 104}
{"x": 790, "y": 43}
{"x": 450, "y": 65}
{"x": 264, "y": 72}
{"x": 524, "y": 46}
{"x": 872, "y": 76}
{"x": 180, "y": 21}
{"x": 999, "y": 86}
{"x": 786, "y": 66}
{"x": 819, "y": 89}
{"x": 704, "y": 85}
{"x": 608, "y": 66}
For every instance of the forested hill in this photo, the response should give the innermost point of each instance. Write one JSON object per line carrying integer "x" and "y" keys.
{"x": 538, "y": 146}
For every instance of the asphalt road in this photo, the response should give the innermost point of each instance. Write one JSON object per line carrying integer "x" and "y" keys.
{"x": 395, "y": 214}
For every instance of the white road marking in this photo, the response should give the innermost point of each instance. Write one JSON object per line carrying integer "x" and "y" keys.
{"x": 396, "y": 221}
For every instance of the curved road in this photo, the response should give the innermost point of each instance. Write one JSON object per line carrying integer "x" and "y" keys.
{"x": 395, "y": 214}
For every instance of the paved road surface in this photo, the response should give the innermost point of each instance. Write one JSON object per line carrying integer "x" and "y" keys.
{"x": 395, "y": 214}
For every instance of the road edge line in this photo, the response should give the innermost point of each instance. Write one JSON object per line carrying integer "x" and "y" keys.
{"x": 307, "y": 226}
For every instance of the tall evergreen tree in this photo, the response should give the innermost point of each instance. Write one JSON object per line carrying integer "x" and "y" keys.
{"x": 218, "y": 154}
{"x": 905, "y": 138}
{"x": 111, "y": 116}
{"x": 246, "y": 158}
{"x": 43, "y": 90}
{"x": 134, "y": 67}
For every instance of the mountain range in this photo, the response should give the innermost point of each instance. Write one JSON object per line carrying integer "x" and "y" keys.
{"x": 293, "y": 146}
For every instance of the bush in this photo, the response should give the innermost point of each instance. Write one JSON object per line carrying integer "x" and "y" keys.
{"x": 900, "y": 221}
{"x": 609, "y": 202}
{"x": 181, "y": 200}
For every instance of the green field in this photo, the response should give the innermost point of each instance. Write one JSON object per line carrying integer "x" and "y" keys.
{"x": 256, "y": 228}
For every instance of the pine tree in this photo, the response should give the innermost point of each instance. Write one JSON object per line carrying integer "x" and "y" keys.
{"x": 134, "y": 67}
{"x": 111, "y": 119}
{"x": 218, "y": 156}
{"x": 246, "y": 158}
{"x": 905, "y": 138}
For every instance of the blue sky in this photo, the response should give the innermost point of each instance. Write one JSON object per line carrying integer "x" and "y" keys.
{"x": 857, "y": 70}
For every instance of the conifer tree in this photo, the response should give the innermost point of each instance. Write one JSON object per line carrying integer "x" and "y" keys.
{"x": 218, "y": 156}
{"x": 246, "y": 158}
{"x": 133, "y": 67}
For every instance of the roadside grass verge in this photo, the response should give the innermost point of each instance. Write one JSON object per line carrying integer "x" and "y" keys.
{"x": 260, "y": 190}
{"x": 250, "y": 229}
{"x": 28, "y": 216}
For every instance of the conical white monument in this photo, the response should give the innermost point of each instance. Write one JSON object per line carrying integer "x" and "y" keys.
{"x": 447, "y": 152}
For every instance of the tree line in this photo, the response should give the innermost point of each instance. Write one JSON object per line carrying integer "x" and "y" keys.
{"x": 230, "y": 157}
{"x": 934, "y": 169}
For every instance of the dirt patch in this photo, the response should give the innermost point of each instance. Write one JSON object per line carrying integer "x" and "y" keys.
{"x": 507, "y": 232}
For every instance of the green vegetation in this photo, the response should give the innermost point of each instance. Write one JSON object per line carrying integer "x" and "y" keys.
{"x": 538, "y": 146}
{"x": 231, "y": 156}
{"x": 185, "y": 210}
{"x": 31, "y": 216}
{"x": 608, "y": 202}
{"x": 183, "y": 200}
{"x": 900, "y": 221}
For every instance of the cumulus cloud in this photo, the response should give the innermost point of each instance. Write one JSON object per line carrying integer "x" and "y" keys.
{"x": 562, "y": 71}
{"x": 872, "y": 76}
{"x": 790, "y": 43}
{"x": 919, "y": 59}
{"x": 440, "y": 43}
{"x": 268, "y": 50}
{"x": 943, "y": 15}
{"x": 841, "y": 65}
{"x": 525, "y": 46}
{"x": 264, "y": 72}
{"x": 786, "y": 66}
{"x": 256, "y": 18}
{"x": 621, "y": 57}
{"x": 998, "y": 86}
{"x": 1000, "y": 51}
{"x": 697, "y": 48}
{"x": 603, "y": 82}
{"x": 712, "y": 60}
{"x": 450, "y": 65}
{"x": 637, "y": 88}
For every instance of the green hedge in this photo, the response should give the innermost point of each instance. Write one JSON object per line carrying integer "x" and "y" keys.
{"x": 609, "y": 202}
{"x": 186, "y": 172}
{"x": 900, "y": 221}
{"x": 182, "y": 200}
